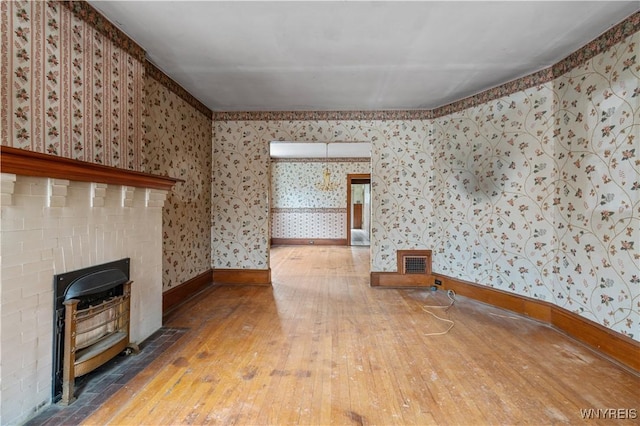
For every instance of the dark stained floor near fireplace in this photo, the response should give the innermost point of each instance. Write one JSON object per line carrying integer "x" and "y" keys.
{"x": 93, "y": 389}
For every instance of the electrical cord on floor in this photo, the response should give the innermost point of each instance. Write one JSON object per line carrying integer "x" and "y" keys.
{"x": 451, "y": 294}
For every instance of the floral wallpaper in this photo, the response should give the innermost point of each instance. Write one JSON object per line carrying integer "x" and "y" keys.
{"x": 299, "y": 209}
{"x": 596, "y": 203}
{"x": 309, "y": 223}
{"x": 241, "y": 226}
{"x": 178, "y": 143}
{"x": 74, "y": 93}
{"x": 538, "y": 192}
{"x": 401, "y": 205}
{"x": 493, "y": 182}
{"x": 240, "y": 196}
{"x": 534, "y": 191}
{"x": 531, "y": 187}
{"x": 78, "y": 90}
{"x": 293, "y": 183}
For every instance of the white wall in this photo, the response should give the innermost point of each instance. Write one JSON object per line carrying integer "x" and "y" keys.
{"x": 366, "y": 210}
{"x": 51, "y": 226}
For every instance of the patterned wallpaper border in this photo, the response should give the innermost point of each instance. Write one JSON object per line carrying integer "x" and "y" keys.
{"x": 322, "y": 160}
{"x": 616, "y": 34}
{"x": 170, "y": 84}
{"x": 322, "y": 115}
{"x": 87, "y": 13}
{"x": 307, "y": 210}
{"x": 506, "y": 89}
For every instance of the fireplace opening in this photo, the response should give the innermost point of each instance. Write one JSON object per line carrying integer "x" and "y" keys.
{"x": 91, "y": 322}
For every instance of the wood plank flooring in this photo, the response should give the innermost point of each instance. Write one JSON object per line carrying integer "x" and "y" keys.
{"x": 321, "y": 347}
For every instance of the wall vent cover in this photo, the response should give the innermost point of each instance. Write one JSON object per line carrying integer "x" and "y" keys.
{"x": 414, "y": 262}
{"x": 415, "y": 265}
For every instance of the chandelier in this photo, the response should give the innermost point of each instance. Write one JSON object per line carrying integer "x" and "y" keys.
{"x": 326, "y": 184}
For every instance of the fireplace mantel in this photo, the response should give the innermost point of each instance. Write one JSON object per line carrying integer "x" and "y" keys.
{"x": 29, "y": 163}
{"x": 61, "y": 215}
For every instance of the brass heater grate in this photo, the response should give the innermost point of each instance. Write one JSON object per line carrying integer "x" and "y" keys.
{"x": 414, "y": 262}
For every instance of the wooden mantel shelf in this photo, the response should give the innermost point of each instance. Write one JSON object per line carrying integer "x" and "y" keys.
{"x": 29, "y": 163}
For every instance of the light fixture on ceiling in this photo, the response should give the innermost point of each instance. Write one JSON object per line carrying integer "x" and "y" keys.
{"x": 326, "y": 184}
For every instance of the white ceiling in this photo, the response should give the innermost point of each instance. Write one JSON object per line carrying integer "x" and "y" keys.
{"x": 287, "y": 149}
{"x": 355, "y": 55}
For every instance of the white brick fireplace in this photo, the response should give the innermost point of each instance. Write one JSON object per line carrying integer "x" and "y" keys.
{"x": 50, "y": 226}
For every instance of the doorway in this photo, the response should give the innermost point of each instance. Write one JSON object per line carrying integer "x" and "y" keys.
{"x": 358, "y": 209}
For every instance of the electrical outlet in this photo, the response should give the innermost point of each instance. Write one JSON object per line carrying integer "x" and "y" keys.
{"x": 311, "y": 242}
{"x": 438, "y": 282}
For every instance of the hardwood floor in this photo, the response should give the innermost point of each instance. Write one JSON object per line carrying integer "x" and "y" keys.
{"x": 359, "y": 237}
{"x": 322, "y": 347}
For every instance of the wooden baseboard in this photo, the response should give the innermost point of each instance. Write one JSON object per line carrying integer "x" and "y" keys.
{"x": 308, "y": 241}
{"x": 617, "y": 346}
{"x": 242, "y": 276}
{"x": 395, "y": 280}
{"x": 178, "y": 294}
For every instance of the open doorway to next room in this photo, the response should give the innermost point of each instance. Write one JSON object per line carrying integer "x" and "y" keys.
{"x": 358, "y": 209}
